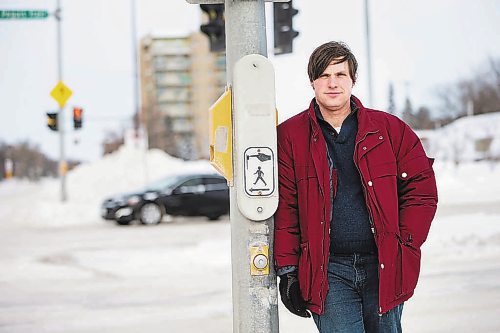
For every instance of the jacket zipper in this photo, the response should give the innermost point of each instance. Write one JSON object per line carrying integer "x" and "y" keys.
{"x": 323, "y": 231}
{"x": 327, "y": 224}
{"x": 323, "y": 241}
{"x": 365, "y": 192}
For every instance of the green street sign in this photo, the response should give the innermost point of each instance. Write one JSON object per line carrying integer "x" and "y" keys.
{"x": 23, "y": 14}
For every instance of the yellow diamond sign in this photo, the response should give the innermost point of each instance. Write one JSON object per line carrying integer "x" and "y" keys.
{"x": 61, "y": 93}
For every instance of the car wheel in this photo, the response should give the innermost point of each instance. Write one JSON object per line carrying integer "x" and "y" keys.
{"x": 122, "y": 222}
{"x": 150, "y": 213}
{"x": 213, "y": 217}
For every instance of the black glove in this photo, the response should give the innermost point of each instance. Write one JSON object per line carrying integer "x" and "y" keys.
{"x": 291, "y": 296}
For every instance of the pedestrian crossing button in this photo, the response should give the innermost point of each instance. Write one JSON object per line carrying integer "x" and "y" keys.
{"x": 260, "y": 261}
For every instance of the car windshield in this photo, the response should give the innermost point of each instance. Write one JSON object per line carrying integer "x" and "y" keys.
{"x": 164, "y": 183}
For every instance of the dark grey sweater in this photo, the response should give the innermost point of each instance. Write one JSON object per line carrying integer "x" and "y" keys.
{"x": 350, "y": 225}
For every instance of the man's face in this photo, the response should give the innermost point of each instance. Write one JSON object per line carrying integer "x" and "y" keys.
{"x": 333, "y": 88}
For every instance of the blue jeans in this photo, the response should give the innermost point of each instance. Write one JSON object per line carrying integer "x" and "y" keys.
{"x": 352, "y": 301}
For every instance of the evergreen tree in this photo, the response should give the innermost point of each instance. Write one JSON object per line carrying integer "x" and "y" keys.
{"x": 391, "y": 108}
{"x": 423, "y": 118}
{"x": 408, "y": 114}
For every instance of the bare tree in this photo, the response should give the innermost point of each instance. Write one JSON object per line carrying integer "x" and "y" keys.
{"x": 495, "y": 68}
{"x": 112, "y": 142}
{"x": 482, "y": 90}
{"x": 28, "y": 161}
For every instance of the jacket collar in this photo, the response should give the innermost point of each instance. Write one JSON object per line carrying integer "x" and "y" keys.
{"x": 314, "y": 120}
{"x": 365, "y": 124}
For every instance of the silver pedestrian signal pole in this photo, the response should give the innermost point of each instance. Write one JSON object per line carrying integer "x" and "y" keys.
{"x": 368, "y": 53}
{"x": 254, "y": 196}
{"x": 253, "y": 177}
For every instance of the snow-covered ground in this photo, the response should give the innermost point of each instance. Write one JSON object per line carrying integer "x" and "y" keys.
{"x": 63, "y": 269}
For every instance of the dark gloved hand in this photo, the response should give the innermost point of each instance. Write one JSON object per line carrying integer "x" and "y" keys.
{"x": 291, "y": 296}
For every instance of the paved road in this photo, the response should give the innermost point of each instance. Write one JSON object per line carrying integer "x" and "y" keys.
{"x": 104, "y": 278}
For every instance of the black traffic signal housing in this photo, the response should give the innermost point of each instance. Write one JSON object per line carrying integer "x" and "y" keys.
{"x": 52, "y": 121}
{"x": 77, "y": 117}
{"x": 215, "y": 27}
{"x": 283, "y": 27}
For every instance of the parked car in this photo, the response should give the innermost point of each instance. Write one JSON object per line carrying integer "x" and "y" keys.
{"x": 193, "y": 194}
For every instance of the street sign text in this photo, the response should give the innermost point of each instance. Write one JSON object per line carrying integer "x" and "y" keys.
{"x": 23, "y": 14}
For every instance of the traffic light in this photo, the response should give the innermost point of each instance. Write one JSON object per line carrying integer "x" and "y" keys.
{"x": 77, "y": 117}
{"x": 283, "y": 27}
{"x": 215, "y": 27}
{"x": 52, "y": 120}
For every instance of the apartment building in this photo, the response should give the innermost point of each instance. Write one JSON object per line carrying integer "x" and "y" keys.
{"x": 180, "y": 80}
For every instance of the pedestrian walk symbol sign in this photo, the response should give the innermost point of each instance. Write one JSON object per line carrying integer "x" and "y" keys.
{"x": 259, "y": 171}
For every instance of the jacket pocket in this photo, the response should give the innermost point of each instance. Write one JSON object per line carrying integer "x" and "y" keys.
{"x": 304, "y": 172}
{"x": 305, "y": 272}
{"x": 382, "y": 170}
{"x": 309, "y": 196}
{"x": 408, "y": 268}
{"x": 412, "y": 168}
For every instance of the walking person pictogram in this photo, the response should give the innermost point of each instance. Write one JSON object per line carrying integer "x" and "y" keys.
{"x": 259, "y": 174}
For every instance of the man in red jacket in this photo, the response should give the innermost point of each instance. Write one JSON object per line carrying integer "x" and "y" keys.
{"x": 357, "y": 197}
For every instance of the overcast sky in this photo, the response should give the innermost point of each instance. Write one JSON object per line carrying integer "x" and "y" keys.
{"x": 419, "y": 45}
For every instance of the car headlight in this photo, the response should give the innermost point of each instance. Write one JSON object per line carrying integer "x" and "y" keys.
{"x": 133, "y": 200}
{"x": 123, "y": 212}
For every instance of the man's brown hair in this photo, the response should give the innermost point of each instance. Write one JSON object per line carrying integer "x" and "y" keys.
{"x": 327, "y": 53}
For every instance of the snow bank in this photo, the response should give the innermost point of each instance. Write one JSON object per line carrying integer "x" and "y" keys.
{"x": 126, "y": 170}
{"x": 458, "y": 141}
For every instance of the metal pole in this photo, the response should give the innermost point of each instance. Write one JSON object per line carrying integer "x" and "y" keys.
{"x": 62, "y": 158}
{"x": 255, "y": 307}
{"x": 136, "y": 101}
{"x": 368, "y": 53}
{"x": 470, "y": 108}
{"x": 135, "y": 57}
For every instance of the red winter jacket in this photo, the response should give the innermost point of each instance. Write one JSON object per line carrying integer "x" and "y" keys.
{"x": 400, "y": 192}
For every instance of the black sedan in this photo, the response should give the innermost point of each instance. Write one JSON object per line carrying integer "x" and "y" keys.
{"x": 191, "y": 194}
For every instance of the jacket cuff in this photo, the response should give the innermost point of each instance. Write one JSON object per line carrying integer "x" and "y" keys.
{"x": 286, "y": 269}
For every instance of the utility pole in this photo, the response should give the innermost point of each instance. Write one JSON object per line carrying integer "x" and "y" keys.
{"x": 255, "y": 307}
{"x": 139, "y": 135}
{"x": 60, "y": 92}
{"x": 63, "y": 167}
{"x": 368, "y": 54}
{"x": 133, "y": 31}
{"x": 253, "y": 157}
{"x": 470, "y": 108}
